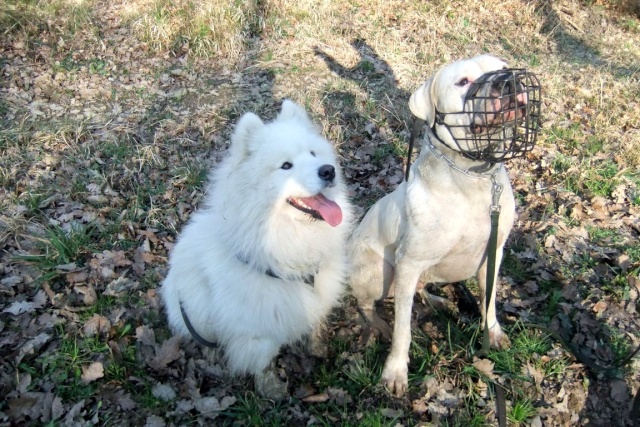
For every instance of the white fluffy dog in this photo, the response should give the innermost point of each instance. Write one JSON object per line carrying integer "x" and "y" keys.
{"x": 435, "y": 227}
{"x": 264, "y": 261}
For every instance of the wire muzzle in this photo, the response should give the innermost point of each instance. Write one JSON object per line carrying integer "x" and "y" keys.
{"x": 500, "y": 119}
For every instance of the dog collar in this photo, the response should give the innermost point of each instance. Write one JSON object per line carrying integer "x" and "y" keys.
{"x": 309, "y": 279}
{"x": 483, "y": 165}
{"x": 491, "y": 170}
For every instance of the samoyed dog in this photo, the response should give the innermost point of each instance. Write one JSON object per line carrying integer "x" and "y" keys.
{"x": 262, "y": 263}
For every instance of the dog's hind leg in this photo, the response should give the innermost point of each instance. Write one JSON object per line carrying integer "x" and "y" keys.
{"x": 317, "y": 345}
{"x": 436, "y": 303}
{"x": 269, "y": 385}
{"x": 497, "y": 337}
{"x": 256, "y": 356}
{"x": 371, "y": 281}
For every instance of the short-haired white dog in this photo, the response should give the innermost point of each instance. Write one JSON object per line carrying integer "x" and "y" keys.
{"x": 435, "y": 227}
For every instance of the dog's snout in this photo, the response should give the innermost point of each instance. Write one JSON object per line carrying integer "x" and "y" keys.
{"x": 509, "y": 88}
{"x": 327, "y": 173}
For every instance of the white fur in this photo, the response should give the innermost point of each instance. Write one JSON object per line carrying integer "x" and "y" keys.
{"x": 433, "y": 228}
{"x": 234, "y": 303}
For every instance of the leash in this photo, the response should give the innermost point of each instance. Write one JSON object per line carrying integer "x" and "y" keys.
{"x": 415, "y": 131}
{"x": 492, "y": 249}
{"x": 196, "y": 336}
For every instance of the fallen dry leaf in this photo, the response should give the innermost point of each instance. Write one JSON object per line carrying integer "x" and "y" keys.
{"x": 155, "y": 421}
{"x": 92, "y": 372}
{"x": 211, "y": 406}
{"x": 391, "y": 413}
{"x": 532, "y": 372}
{"x": 24, "y": 406}
{"x": 33, "y": 345}
{"x": 317, "y": 398}
{"x": 163, "y": 392}
{"x": 77, "y": 277}
{"x": 20, "y": 307}
{"x": 89, "y": 295}
{"x": 125, "y": 402}
{"x": 167, "y": 353}
{"x": 485, "y": 366}
{"x": 96, "y": 325}
{"x": 599, "y": 307}
{"x": 145, "y": 335}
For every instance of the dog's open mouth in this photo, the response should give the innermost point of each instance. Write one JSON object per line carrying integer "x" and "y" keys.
{"x": 319, "y": 207}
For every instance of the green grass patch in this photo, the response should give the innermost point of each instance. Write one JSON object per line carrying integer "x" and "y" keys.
{"x": 363, "y": 372}
{"x": 619, "y": 343}
{"x": 565, "y": 138}
{"x": 587, "y": 176}
{"x": 65, "y": 364}
{"x": 633, "y": 251}
{"x": 35, "y": 200}
{"x": 60, "y": 247}
{"x": 514, "y": 267}
{"x": 618, "y": 287}
{"x": 192, "y": 176}
{"x": 254, "y": 411}
{"x": 521, "y": 411}
{"x": 584, "y": 164}
{"x": 604, "y": 235}
{"x": 602, "y": 178}
{"x": 118, "y": 151}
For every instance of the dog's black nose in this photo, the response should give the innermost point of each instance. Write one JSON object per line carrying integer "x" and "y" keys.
{"x": 327, "y": 172}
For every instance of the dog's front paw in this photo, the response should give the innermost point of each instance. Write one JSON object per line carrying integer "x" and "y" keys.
{"x": 498, "y": 339}
{"x": 395, "y": 377}
{"x": 269, "y": 386}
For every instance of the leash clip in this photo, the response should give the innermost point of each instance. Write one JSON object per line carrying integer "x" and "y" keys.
{"x": 496, "y": 191}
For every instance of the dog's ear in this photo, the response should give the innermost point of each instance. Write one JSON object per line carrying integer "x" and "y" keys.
{"x": 291, "y": 110}
{"x": 489, "y": 62}
{"x": 422, "y": 103}
{"x": 248, "y": 124}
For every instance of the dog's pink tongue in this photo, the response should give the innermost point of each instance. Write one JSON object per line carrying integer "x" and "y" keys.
{"x": 328, "y": 209}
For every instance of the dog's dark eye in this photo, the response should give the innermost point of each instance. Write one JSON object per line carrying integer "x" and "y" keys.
{"x": 313, "y": 154}
{"x": 463, "y": 82}
{"x": 286, "y": 165}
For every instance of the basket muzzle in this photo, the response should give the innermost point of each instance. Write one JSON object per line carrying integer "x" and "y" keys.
{"x": 500, "y": 118}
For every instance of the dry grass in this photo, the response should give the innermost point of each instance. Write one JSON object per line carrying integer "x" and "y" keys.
{"x": 206, "y": 28}
{"x": 30, "y": 18}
